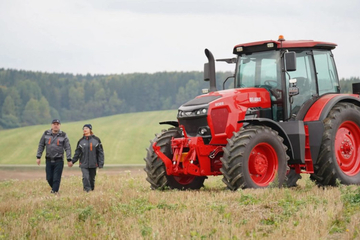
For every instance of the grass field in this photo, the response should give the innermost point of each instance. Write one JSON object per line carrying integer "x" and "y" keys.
{"x": 123, "y": 207}
{"x": 125, "y": 137}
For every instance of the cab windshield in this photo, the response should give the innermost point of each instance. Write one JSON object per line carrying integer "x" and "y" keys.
{"x": 260, "y": 69}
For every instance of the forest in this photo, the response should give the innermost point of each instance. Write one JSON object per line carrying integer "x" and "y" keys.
{"x": 31, "y": 98}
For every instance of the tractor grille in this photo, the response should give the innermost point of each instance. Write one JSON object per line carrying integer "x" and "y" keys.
{"x": 192, "y": 125}
{"x": 219, "y": 118}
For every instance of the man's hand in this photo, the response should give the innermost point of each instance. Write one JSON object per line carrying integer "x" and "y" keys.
{"x": 38, "y": 161}
{"x": 70, "y": 164}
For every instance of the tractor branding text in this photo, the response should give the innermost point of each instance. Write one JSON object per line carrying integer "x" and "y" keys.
{"x": 219, "y": 104}
{"x": 255, "y": 99}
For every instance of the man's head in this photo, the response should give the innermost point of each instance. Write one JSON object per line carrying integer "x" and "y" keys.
{"x": 55, "y": 125}
{"x": 87, "y": 128}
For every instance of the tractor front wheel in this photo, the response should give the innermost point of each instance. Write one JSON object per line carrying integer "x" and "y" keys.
{"x": 339, "y": 156}
{"x": 254, "y": 157}
{"x": 155, "y": 167}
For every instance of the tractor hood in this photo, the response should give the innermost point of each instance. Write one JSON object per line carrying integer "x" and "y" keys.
{"x": 231, "y": 98}
{"x": 218, "y": 113}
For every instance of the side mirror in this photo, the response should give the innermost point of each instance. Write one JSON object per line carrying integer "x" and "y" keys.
{"x": 206, "y": 72}
{"x": 290, "y": 61}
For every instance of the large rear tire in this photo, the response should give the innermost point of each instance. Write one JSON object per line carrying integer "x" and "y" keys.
{"x": 339, "y": 156}
{"x": 254, "y": 157}
{"x": 155, "y": 167}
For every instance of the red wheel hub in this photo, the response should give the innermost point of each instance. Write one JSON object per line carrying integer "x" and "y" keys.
{"x": 263, "y": 164}
{"x": 347, "y": 142}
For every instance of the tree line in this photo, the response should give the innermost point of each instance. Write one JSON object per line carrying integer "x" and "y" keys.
{"x": 30, "y": 98}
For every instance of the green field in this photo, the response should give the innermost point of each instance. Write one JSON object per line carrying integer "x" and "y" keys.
{"x": 123, "y": 206}
{"x": 125, "y": 137}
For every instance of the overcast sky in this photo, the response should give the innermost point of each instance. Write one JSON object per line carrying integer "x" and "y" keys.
{"x": 126, "y": 36}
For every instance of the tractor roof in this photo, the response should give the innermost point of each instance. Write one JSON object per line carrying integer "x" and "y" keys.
{"x": 273, "y": 44}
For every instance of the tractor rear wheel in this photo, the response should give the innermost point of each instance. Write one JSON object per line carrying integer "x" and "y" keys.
{"x": 339, "y": 156}
{"x": 155, "y": 167}
{"x": 254, "y": 157}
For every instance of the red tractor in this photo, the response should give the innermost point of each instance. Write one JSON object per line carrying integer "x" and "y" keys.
{"x": 282, "y": 116}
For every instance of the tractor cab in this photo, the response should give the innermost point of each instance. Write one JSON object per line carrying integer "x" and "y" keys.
{"x": 294, "y": 72}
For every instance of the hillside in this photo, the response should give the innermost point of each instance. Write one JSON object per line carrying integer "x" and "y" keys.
{"x": 32, "y": 98}
{"x": 125, "y": 137}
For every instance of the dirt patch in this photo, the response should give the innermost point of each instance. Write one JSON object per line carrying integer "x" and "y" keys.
{"x": 21, "y": 173}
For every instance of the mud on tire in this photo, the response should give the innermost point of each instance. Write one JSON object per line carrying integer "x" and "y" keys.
{"x": 339, "y": 156}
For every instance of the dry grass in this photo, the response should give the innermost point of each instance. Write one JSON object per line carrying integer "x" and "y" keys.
{"x": 123, "y": 207}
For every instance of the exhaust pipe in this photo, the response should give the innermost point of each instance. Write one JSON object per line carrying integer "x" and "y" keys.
{"x": 209, "y": 70}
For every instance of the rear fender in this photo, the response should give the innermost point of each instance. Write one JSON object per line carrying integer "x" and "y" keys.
{"x": 318, "y": 112}
{"x": 321, "y": 108}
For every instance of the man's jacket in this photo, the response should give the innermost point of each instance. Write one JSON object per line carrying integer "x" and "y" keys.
{"x": 55, "y": 144}
{"x": 90, "y": 152}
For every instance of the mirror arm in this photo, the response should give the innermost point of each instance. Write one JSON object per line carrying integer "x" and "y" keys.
{"x": 233, "y": 76}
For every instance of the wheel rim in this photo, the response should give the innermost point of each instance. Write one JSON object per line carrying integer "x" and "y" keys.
{"x": 347, "y": 148}
{"x": 184, "y": 179}
{"x": 263, "y": 164}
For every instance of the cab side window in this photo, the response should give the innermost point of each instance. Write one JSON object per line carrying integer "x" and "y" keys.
{"x": 304, "y": 74}
{"x": 326, "y": 72}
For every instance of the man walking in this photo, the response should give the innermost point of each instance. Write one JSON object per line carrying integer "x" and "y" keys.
{"x": 55, "y": 141}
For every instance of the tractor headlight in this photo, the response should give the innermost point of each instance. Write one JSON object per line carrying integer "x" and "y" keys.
{"x": 183, "y": 114}
{"x": 239, "y": 49}
{"x": 201, "y": 111}
{"x": 203, "y": 131}
{"x": 192, "y": 113}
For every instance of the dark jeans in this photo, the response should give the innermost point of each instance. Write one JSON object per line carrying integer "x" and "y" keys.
{"x": 53, "y": 174}
{"x": 88, "y": 178}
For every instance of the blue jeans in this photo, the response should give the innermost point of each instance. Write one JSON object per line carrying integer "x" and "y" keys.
{"x": 53, "y": 174}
